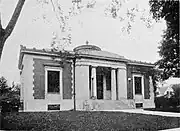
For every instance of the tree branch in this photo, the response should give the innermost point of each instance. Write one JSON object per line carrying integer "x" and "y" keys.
{"x": 53, "y": 6}
{"x": 2, "y": 31}
{"x": 14, "y": 18}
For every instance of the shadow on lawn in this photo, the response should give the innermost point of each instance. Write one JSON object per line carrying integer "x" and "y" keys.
{"x": 168, "y": 109}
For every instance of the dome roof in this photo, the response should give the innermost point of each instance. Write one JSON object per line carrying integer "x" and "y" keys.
{"x": 96, "y": 52}
{"x": 86, "y": 48}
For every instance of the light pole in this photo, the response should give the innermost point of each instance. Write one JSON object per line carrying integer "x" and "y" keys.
{"x": 74, "y": 88}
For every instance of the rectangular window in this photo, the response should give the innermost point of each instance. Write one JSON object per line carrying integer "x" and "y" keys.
{"x": 54, "y": 107}
{"x": 139, "y": 105}
{"x": 138, "y": 85}
{"x": 53, "y": 81}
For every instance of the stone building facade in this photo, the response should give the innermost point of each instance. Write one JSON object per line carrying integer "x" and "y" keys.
{"x": 103, "y": 80}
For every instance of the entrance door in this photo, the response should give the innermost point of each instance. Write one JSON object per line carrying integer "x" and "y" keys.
{"x": 138, "y": 89}
{"x": 99, "y": 86}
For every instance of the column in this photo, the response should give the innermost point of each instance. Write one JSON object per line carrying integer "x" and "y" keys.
{"x": 151, "y": 88}
{"x": 94, "y": 83}
{"x": 82, "y": 82}
{"x": 113, "y": 84}
{"x": 104, "y": 87}
{"x": 122, "y": 83}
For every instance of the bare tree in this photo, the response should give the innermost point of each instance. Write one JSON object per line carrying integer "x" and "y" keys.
{"x": 6, "y": 32}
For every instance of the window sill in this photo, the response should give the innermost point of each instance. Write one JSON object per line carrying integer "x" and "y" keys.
{"x": 53, "y": 93}
{"x": 138, "y": 94}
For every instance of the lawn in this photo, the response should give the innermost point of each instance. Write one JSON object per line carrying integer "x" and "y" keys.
{"x": 87, "y": 121}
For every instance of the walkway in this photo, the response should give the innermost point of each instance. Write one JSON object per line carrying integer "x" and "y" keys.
{"x": 174, "y": 129}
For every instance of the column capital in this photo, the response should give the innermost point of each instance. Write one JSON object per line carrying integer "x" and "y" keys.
{"x": 112, "y": 68}
{"x": 121, "y": 68}
{"x": 93, "y": 66}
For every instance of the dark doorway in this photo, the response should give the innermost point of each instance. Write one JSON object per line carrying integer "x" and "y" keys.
{"x": 99, "y": 78}
{"x": 138, "y": 85}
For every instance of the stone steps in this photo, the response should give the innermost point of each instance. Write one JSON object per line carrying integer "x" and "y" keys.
{"x": 106, "y": 105}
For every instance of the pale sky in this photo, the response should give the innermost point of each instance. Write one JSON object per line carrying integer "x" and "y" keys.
{"x": 32, "y": 30}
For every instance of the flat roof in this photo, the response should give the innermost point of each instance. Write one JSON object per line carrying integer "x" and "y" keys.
{"x": 83, "y": 51}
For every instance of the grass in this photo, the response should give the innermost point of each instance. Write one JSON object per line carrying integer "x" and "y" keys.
{"x": 87, "y": 121}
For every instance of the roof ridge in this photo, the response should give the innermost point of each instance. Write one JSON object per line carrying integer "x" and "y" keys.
{"x": 138, "y": 61}
{"x": 53, "y": 51}
{"x": 45, "y": 50}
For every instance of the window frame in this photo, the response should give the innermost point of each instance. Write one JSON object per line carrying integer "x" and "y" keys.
{"x": 60, "y": 80}
{"x": 142, "y": 84}
{"x": 138, "y": 91}
{"x": 49, "y": 107}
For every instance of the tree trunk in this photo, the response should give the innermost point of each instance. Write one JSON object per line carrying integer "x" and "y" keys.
{"x": 1, "y": 47}
{"x": 2, "y": 33}
{"x": 5, "y": 33}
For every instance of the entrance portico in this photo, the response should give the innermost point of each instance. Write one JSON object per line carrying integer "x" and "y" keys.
{"x": 107, "y": 83}
{"x": 107, "y": 78}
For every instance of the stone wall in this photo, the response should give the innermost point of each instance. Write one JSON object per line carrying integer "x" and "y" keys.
{"x": 33, "y": 83}
{"x": 39, "y": 78}
{"x": 82, "y": 82}
{"x": 27, "y": 80}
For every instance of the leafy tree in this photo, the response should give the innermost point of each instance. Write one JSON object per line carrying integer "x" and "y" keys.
{"x": 4, "y": 89}
{"x": 6, "y": 32}
{"x": 3, "y": 86}
{"x": 9, "y": 93}
{"x": 169, "y": 46}
{"x": 120, "y": 9}
{"x": 176, "y": 88}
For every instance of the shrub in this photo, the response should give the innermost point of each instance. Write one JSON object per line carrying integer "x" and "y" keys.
{"x": 161, "y": 102}
{"x": 10, "y": 105}
{"x": 165, "y": 102}
{"x": 176, "y": 88}
{"x": 172, "y": 101}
